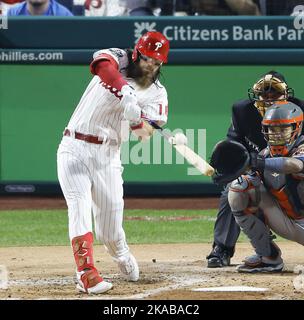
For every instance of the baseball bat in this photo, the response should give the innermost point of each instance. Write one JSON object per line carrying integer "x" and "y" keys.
{"x": 193, "y": 158}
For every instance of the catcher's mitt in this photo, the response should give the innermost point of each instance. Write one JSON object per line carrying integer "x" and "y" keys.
{"x": 230, "y": 159}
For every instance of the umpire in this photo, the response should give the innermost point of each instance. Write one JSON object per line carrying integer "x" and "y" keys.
{"x": 246, "y": 128}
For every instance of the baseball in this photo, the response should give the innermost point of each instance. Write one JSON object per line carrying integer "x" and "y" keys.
{"x": 180, "y": 138}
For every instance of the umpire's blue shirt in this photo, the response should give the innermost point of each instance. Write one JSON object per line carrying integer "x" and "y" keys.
{"x": 54, "y": 9}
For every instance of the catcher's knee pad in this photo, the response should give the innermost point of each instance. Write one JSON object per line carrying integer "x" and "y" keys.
{"x": 238, "y": 196}
{"x": 244, "y": 193}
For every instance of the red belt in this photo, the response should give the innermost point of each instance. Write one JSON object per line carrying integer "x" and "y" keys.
{"x": 85, "y": 137}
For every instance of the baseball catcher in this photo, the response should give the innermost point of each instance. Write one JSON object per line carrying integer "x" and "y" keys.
{"x": 245, "y": 129}
{"x": 280, "y": 180}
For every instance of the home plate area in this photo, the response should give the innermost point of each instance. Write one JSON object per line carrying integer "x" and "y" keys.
{"x": 167, "y": 271}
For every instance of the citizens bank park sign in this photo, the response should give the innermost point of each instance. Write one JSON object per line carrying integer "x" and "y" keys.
{"x": 260, "y": 32}
{"x": 222, "y": 33}
{"x": 199, "y": 40}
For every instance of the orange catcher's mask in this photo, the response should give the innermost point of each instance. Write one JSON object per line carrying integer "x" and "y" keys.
{"x": 282, "y": 125}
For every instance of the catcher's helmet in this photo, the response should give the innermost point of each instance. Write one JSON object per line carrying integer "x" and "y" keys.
{"x": 281, "y": 126}
{"x": 267, "y": 90}
{"x": 152, "y": 44}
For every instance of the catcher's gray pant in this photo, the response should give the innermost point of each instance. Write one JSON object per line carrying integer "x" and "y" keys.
{"x": 90, "y": 177}
{"x": 226, "y": 230}
{"x": 275, "y": 218}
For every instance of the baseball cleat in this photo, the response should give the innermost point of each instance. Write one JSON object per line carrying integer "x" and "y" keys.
{"x": 256, "y": 263}
{"x": 91, "y": 282}
{"x": 218, "y": 258}
{"x": 128, "y": 267}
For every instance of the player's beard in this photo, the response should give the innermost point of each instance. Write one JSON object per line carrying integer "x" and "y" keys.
{"x": 143, "y": 77}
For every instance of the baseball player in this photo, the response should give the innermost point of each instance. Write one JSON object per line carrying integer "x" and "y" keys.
{"x": 277, "y": 189}
{"x": 125, "y": 86}
{"x": 246, "y": 129}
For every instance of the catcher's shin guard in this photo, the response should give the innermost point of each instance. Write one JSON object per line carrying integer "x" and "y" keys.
{"x": 256, "y": 231}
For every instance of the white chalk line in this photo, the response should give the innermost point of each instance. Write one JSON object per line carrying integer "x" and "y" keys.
{"x": 42, "y": 282}
{"x": 231, "y": 289}
{"x": 68, "y": 280}
{"x": 178, "y": 283}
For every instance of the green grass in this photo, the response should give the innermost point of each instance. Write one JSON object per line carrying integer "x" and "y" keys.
{"x": 50, "y": 227}
{"x": 33, "y": 228}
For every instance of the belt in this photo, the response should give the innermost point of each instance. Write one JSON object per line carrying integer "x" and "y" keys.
{"x": 85, "y": 137}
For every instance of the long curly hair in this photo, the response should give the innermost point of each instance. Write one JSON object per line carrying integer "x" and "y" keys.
{"x": 134, "y": 72}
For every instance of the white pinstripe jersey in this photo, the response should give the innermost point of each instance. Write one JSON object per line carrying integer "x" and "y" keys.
{"x": 99, "y": 112}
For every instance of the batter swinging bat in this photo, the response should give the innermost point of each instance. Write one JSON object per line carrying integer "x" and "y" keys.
{"x": 194, "y": 159}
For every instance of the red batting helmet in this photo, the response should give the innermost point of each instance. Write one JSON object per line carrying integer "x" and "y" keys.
{"x": 152, "y": 44}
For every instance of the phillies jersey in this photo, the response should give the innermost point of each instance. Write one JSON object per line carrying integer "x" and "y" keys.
{"x": 108, "y": 8}
{"x": 99, "y": 112}
{"x": 5, "y": 5}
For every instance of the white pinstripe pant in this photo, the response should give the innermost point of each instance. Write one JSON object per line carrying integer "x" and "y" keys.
{"x": 90, "y": 177}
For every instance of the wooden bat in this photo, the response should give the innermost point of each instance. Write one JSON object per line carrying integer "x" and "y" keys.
{"x": 193, "y": 158}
